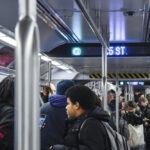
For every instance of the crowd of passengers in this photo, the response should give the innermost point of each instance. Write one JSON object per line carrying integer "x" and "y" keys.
{"x": 74, "y": 116}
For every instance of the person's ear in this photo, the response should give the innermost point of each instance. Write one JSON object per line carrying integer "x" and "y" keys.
{"x": 77, "y": 105}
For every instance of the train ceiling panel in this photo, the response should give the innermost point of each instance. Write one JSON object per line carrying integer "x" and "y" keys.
{"x": 61, "y": 21}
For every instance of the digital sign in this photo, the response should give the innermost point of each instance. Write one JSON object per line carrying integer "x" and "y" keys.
{"x": 131, "y": 83}
{"x": 76, "y": 51}
{"x": 117, "y": 51}
{"x": 112, "y": 51}
{"x": 95, "y": 50}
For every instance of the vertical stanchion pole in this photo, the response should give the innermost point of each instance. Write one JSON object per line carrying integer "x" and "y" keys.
{"x": 117, "y": 103}
{"x": 49, "y": 72}
{"x": 104, "y": 77}
{"x": 126, "y": 94}
{"x": 27, "y": 78}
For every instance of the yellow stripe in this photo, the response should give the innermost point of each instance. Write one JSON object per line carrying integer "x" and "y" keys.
{"x": 108, "y": 76}
{"x": 133, "y": 75}
{"x": 97, "y": 76}
{"x": 112, "y": 76}
{"x": 123, "y": 75}
{"x": 100, "y": 75}
{"x": 144, "y": 75}
{"x": 128, "y": 75}
{"x": 148, "y": 75}
{"x": 138, "y": 75}
{"x": 91, "y": 75}
{"x": 119, "y": 76}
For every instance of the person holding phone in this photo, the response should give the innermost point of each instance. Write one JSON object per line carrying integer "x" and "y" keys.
{"x": 52, "y": 129}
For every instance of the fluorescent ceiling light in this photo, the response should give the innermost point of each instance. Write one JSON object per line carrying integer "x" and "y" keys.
{"x": 7, "y": 39}
{"x": 56, "y": 63}
{"x": 63, "y": 67}
{"x": 45, "y": 58}
{"x": 39, "y": 54}
{"x": 69, "y": 71}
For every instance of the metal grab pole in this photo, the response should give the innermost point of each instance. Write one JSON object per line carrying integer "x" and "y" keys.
{"x": 91, "y": 23}
{"x": 49, "y": 72}
{"x": 27, "y": 78}
{"x": 104, "y": 51}
{"x": 104, "y": 78}
{"x": 117, "y": 103}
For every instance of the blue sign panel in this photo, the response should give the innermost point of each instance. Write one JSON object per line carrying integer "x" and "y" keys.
{"x": 117, "y": 51}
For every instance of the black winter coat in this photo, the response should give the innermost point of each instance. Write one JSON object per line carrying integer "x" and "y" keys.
{"x": 134, "y": 118}
{"x": 6, "y": 127}
{"x": 93, "y": 135}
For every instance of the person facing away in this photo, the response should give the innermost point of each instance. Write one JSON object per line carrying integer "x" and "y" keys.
{"x": 53, "y": 129}
{"x": 84, "y": 130}
{"x": 7, "y": 113}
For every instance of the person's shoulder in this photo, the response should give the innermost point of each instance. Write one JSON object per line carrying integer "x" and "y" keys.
{"x": 93, "y": 123}
{"x": 45, "y": 107}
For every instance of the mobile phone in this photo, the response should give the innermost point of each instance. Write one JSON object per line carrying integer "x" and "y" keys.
{"x": 42, "y": 119}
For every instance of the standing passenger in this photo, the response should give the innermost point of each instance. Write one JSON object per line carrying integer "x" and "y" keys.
{"x": 80, "y": 135}
{"x": 53, "y": 130}
{"x": 7, "y": 114}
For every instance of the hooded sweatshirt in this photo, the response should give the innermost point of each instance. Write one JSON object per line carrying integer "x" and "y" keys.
{"x": 55, "y": 112}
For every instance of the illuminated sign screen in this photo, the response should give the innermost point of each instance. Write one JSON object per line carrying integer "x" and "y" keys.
{"x": 95, "y": 50}
{"x": 76, "y": 51}
{"x": 117, "y": 51}
{"x": 131, "y": 83}
{"x": 112, "y": 51}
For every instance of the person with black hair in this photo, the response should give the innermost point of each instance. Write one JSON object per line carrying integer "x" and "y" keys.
{"x": 80, "y": 135}
{"x": 7, "y": 114}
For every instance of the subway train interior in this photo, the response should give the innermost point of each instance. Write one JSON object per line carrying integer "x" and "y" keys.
{"x": 103, "y": 44}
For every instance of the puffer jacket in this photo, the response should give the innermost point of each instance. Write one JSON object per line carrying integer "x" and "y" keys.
{"x": 6, "y": 127}
{"x": 93, "y": 135}
{"x": 134, "y": 118}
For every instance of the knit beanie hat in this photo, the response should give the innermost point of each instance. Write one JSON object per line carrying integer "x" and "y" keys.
{"x": 63, "y": 85}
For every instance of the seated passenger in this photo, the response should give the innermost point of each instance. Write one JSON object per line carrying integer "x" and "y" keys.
{"x": 53, "y": 129}
{"x": 7, "y": 114}
{"x": 82, "y": 104}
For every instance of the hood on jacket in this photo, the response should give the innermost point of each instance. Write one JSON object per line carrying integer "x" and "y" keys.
{"x": 99, "y": 114}
{"x": 58, "y": 100}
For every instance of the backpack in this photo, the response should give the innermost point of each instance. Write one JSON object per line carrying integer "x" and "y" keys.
{"x": 123, "y": 126}
{"x": 117, "y": 141}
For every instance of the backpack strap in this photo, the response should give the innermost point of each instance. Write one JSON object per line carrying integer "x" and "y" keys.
{"x": 82, "y": 125}
{"x": 101, "y": 122}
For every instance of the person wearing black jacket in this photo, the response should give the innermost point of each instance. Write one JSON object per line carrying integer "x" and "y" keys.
{"x": 90, "y": 135}
{"x": 7, "y": 114}
{"x": 133, "y": 116}
{"x": 145, "y": 108}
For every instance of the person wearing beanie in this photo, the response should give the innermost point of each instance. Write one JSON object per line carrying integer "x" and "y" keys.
{"x": 54, "y": 111}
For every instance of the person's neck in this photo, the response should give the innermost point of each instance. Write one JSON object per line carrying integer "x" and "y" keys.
{"x": 79, "y": 112}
